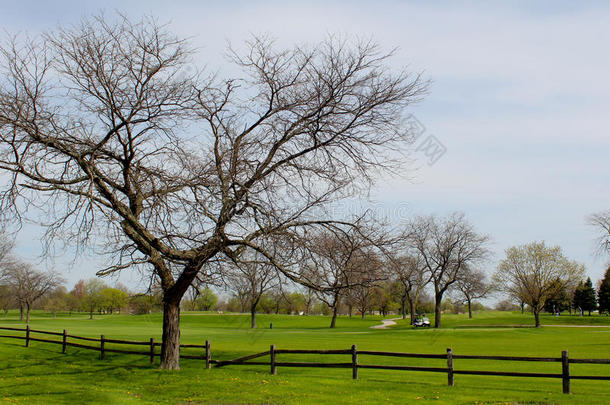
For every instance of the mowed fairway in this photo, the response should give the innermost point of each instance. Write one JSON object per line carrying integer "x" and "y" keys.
{"x": 41, "y": 374}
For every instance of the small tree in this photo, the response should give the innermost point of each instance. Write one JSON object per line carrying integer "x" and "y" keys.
{"x": 7, "y": 299}
{"x": 409, "y": 273}
{"x": 472, "y": 284}
{"x": 251, "y": 276}
{"x": 93, "y": 299}
{"x": 28, "y": 285}
{"x": 113, "y": 299}
{"x": 531, "y": 272}
{"x": 603, "y": 293}
{"x": 334, "y": 261}
{"x": 56, "y": 300}
{"x": 584, "y": 296}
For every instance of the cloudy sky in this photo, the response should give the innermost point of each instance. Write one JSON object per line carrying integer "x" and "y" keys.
{"x": 519, "y": 99}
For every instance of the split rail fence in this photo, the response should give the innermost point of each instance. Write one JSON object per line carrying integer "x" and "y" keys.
{"x": 354, "y": 364}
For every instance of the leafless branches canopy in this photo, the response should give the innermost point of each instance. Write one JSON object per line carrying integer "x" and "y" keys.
{"x": 601, "y": 221}
{"x": 27, "y": 284}
{"x": 446, "y": 247}
{"x": 109, "y": 128}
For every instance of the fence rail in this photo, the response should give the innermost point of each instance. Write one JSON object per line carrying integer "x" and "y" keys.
{"x": 103, "y": 341}
{"x": 355, "y": 365}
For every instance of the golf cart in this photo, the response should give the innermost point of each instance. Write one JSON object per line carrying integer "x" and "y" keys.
{"x": 421, "y": 322}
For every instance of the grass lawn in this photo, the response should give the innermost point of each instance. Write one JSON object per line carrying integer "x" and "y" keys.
{"x": 41, "y": 374}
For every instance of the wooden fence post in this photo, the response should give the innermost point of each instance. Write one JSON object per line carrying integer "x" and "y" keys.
{"x": 450, "y": 367}
{"x": 565, "y": 371}
{"x": 27, "y": 336}
{"x": 208, "y": 354}
{"x": 354, "y": 362}
{"x": 102, "y": 354}
{"x": 152, "y": 351}
{"x": 64, "y": 342}
{"x": 272, "y": 359}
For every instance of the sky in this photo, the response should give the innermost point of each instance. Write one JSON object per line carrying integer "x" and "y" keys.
{"x": 518, "y": 102}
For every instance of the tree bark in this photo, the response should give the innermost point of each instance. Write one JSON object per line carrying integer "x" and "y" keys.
{"x": 170, "y": 349}
{"x": 253, "y": 316}
{"x": 21, "y": 312}
{"x": 537, "y": 317}
{"x": 403, "y": 308}
{"x": 438, "y": 298}
{"x": 469, "y": 309}
{"x": 27, "y": 314}
{"x": 412, "y": 311}
{"x": 333, "y": 321}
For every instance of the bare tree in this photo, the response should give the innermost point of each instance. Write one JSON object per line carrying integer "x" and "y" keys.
{"x": 531, "y": 272}
{"x": 250, "y": 278}
{"x": 7, "y": 298}
{"x": 410, "y": 275}
{"x": 104, "y": 127}
{"x": 447, "y": 246}
{"x": 472, "y": 284}
{"x": 28, "y": 285}
{"x": 335, "y": 263}
{"x": 601, "y": 221}
{"x": 365, "y": 281}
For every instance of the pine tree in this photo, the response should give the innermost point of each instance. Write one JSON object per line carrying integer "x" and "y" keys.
{"x": 603, "y": 294}
{"x": 578, "y": 298}
{"x": 589, "y": 301}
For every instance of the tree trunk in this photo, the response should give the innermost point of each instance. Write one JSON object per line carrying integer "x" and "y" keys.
{"x": 91, "y": 313}
{"x": 363, "y": 314}
{"x": 438, "y": 298}
{"x": 170, "y": 348}
{"x": 21, "y": 312}
{"x": 469, "y": 310}
{"x": 403, "y": 308}
{"x": 522, "y": 307}
{"x": 333, "y": 321}
{"x": 412, "y": 311}
{"x": 27, "y": 315}
{"x": 537, "y": 317}
{"x": 350, "y": 308}
{"x": 253, "y": 316}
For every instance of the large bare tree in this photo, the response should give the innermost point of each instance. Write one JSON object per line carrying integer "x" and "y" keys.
{"x": 447, "y": 246}
{"x": 534, "y": 273}
{"x": 109, "y": 128}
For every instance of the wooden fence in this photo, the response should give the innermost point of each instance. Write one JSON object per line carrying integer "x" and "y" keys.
{"x": 355, "y": 365}
{"x": 353, "y": 352}
{"x": 103, "y": 341}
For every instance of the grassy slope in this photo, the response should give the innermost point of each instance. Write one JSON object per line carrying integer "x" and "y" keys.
{"x": 40, "y": 374}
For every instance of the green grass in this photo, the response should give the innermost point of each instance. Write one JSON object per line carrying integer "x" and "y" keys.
{"x": 41, "y": 374}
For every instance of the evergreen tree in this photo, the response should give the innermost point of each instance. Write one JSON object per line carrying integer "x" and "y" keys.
{"x": 603, "y": 294}
{"x": 589, "y": 301}
{"x": 559, "y": 301}
{"x": 578, "y": 298}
